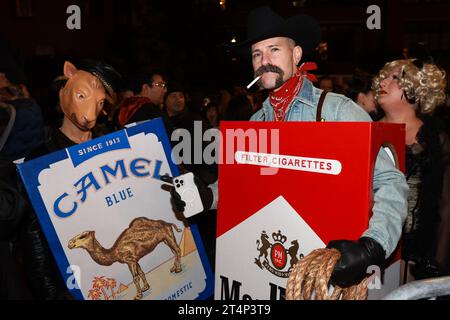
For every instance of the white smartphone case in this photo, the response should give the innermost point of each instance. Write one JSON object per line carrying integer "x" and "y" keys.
{"x": 186, "y": 188}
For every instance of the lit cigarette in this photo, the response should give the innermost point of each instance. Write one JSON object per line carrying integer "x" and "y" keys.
{"x": 253, "y": 82}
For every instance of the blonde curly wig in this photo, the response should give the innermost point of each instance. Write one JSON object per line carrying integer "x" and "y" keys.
{"x": 423, "y": 83}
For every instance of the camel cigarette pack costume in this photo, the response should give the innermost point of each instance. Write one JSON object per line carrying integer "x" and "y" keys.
{"x": 100, "y": 206}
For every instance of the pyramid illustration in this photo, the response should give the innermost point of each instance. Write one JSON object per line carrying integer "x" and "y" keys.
{"x": 122, "y": 287}
{"x": 187, "y": 244}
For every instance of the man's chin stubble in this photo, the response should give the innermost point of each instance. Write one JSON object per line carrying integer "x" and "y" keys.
{"x": 278, "y": 83}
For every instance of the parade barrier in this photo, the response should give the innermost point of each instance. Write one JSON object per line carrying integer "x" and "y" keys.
{"x": 299, "y": 186}
{"x": 110, "y": 224}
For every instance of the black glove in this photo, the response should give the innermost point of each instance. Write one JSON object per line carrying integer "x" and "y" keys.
{"x": 356, "y": 257}
{"x": 206, "y": 194}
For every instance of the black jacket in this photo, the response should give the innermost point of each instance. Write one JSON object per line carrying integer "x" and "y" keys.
{"x": 12, "y": 209}
{"x": 12, "y": 204}
{"x": 427, "y": 173}
{"x": 28, "y": 130}
{"x": 187, "y": 120}
{"x": 41, "y": 270}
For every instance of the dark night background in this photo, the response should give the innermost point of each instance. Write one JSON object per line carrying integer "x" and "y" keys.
{"x": 185, "y": 38}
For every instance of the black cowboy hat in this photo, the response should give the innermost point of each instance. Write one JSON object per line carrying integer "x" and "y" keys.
{"x": 263, "y": 23}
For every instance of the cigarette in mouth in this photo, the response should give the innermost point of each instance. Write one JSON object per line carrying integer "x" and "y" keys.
{"x": 253, "y": 82}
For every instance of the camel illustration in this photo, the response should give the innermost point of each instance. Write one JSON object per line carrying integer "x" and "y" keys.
{"x": 135, "y": 242}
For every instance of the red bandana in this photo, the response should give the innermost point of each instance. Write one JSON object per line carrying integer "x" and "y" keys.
{"x": 282, "y": 98}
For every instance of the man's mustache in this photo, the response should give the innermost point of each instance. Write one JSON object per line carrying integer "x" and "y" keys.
{"x": 268, "y": 68}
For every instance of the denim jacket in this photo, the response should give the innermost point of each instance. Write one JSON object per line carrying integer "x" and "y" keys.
{"x": 389, "y": 184}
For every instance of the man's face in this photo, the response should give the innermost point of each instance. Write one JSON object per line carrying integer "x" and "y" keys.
{"x": 175, "y": 103}
{"x": 157, "y": 89}
{"x": 276, "y": 60}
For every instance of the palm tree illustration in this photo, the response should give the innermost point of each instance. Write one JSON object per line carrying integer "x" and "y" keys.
{"x": 111, "y": 284}
{"x": 100, "y": 283}
{"x": 94, "y": 294}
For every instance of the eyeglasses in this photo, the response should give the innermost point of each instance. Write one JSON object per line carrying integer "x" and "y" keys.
{"x": 160, "y": 84}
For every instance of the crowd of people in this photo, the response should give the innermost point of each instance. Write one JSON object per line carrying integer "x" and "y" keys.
{"x": 414, "y": 205}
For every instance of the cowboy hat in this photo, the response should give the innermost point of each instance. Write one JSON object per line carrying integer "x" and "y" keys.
{"x": 263, "y": 23}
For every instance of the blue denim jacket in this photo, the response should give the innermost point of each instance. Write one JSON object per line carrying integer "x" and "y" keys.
{"x": 389, "y": 184}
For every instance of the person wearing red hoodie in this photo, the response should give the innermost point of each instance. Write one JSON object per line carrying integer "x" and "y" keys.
{"x": 149, "y": 89}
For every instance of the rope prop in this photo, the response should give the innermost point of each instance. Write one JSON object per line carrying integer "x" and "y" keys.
{"x": 309, "y": 279}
